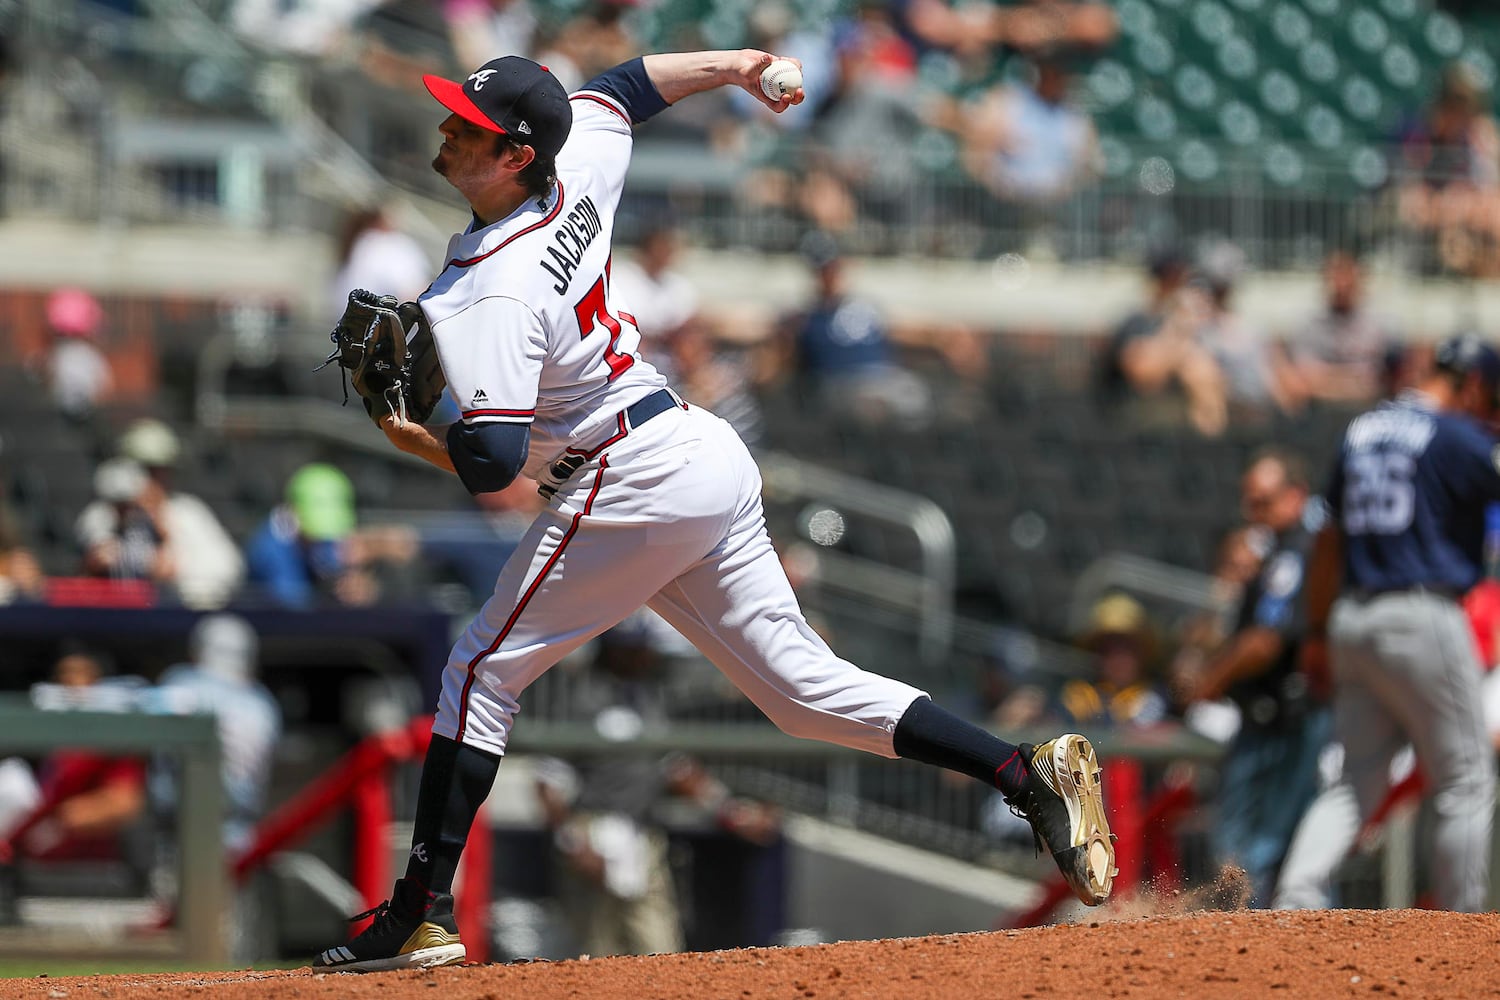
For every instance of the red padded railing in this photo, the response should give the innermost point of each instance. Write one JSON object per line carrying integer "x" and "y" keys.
{"x": 360, "y": 780}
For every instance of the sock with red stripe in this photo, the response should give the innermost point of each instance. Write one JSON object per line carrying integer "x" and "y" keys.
{"x": 455, "y": 781}
{"x": 932, "y": 735}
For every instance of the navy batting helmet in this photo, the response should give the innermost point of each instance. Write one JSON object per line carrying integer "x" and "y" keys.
{"x": 1465, "y": 353}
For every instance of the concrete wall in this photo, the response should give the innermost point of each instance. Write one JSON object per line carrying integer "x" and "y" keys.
{"x": 850, "y": 885}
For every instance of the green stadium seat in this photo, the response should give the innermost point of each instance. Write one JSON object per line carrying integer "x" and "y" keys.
{"x": 1368, "y": 167}
{"x": 1154, "y": 54}
{"x": 1111, "y": 84}
{"x": 1156, "y": 119}
{"x": 1368, "y": 31}
{"x": 1482, "y": 64}
{"x": 1239, "y": 123}
{"x": 1362, "y": 99}
{"x": 1401, "y": 68}
{"x": 1319, "y": 63}
{"x": 1212, "y": 21}
{"x": 1117, "y": 156}
{"x": 1290, "y": 25}
{"x": 1237, "y": 59}
{"x": 1443, "y": 35}
{"x": 1279, "y": 93}
{"x": 1323, "y": 126}
{"x": 1195, "y": 87}
{"x": 1199, "y": 161}
{"x": 1284, "y": 165}
{"x": 1136, "y": 18}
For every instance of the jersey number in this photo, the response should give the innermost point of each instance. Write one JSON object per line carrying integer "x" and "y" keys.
{"x": 592, "y": 310}
{"x": 1379, "y": 496}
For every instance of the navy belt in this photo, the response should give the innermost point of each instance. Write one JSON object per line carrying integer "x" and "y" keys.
{"x": 644, "y": 409}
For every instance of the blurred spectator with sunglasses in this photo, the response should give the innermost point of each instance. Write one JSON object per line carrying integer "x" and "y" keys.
{"x": 1270, "y": 774}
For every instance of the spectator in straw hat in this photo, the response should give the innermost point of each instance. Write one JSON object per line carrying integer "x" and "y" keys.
{"x": 1120, "y": 692}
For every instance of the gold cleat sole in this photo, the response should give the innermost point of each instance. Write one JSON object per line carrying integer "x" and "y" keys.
{"x": 1075, "y": 776}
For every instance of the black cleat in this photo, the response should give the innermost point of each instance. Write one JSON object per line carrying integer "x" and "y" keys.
{"x": 413, "y": 930}
{"x": 1062, "y": 801}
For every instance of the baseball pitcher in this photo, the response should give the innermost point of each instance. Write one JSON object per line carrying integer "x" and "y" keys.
{"x": 651, "y": 500}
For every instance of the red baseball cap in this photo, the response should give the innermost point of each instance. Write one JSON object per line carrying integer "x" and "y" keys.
{"x": 512, "y": 96}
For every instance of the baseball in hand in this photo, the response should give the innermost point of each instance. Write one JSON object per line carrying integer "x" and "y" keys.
{"x": 780, "y": 79}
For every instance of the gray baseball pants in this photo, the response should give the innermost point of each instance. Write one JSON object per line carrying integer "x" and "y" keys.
{"x": 1406, "y": 669}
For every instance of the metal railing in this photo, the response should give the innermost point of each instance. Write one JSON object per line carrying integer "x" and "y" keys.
{"x": 1175, "y": 593}
{"x": 924, "y": 593}
{"x": 202, "y": 905}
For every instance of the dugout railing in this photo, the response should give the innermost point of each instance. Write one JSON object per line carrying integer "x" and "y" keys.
{"x": 197, "y": 934}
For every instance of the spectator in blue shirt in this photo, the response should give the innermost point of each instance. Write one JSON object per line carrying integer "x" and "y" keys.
{"x": 845, "y": 348}
{"x": 309, "y": 551}
{"x": 219, "y": 679}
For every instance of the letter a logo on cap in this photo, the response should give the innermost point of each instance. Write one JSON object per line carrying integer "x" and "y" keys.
{"x": 480, "y": 76}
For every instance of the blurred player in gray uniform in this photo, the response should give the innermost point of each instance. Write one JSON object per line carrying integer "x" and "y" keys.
{"x": 1404, "y": 542}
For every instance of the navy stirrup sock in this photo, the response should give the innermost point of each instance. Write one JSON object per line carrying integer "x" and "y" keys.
{"x": 455, "y": 781}
{"x": 932, "y": 735}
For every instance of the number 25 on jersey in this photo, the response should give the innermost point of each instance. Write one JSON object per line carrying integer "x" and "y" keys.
{"x": 1379, "y": 495}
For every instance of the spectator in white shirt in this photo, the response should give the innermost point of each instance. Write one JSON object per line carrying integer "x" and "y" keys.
{"x": 208, "y": 563}
{"x": 374, "y": 254}
{"x": 659, "y": 297}
{"x": 1339, "y": 355}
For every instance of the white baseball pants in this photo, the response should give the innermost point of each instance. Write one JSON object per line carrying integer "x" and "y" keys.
{"x": 668, "y": 516}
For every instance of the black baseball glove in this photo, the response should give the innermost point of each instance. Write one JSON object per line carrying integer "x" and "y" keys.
{"x": 386, "y": 347}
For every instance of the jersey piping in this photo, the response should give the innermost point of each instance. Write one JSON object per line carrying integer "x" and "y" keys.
{"x": 515, "y": 615}
{"x": 557, "y": 204}
{"x": 605, "y": 103}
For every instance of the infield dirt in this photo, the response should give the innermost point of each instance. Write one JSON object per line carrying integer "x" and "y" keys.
{"x": 1308, "y": 954}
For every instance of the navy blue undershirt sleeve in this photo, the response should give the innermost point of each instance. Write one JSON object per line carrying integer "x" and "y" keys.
{"x": 629, "y": 84}
{"x": 1474, "y": 452}
{"x": 487, "y": 457}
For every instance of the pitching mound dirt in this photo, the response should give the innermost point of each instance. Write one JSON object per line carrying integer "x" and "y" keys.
{"x": 1336, "y": 953}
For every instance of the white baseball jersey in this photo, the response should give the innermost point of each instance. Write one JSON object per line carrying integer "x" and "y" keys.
{"x": 666, "y": 513}
{"x": 525, "y": 321}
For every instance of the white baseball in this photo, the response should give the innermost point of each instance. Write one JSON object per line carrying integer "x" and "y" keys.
{"x": 780, "y": 78}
